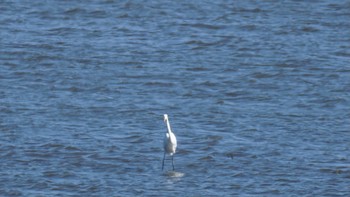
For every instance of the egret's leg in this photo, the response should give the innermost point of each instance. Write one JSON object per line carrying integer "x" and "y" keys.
{"x": 163, "y": 161}
{"x": 172, "y": 161}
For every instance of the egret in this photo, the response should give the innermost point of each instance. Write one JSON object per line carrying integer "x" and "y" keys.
{"x": 170, "y": 142}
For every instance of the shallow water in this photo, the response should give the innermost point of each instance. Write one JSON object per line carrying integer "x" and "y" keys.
{"x": 257, "y": 94}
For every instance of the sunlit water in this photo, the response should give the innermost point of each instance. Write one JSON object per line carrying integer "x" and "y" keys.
{"x": 257, "y": 92}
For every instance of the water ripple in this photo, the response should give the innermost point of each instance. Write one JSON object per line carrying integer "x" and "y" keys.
{"x": 257, "y": 94}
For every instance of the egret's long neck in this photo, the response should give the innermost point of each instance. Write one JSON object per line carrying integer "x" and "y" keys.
{"x": 168, "y": 125}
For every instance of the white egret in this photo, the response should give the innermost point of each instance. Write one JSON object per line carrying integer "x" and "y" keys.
{"x": 170, "y": 142}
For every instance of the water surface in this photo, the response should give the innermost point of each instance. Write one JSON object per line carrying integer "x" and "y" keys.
{"x": 257, "y": 94}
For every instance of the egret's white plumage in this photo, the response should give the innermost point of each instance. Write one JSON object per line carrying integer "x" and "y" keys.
{"x": 170, "y": 142}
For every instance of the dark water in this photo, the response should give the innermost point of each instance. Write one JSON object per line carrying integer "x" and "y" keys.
{"x": 258, "y": 94}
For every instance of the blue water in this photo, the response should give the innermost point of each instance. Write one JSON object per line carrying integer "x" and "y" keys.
{"x": 257, "y": 92}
